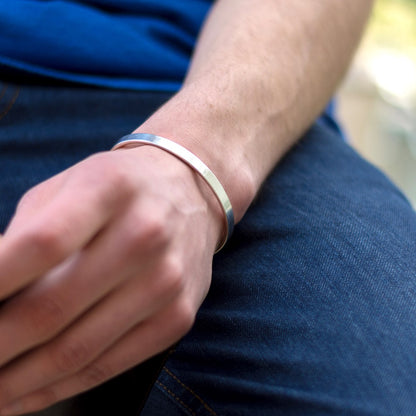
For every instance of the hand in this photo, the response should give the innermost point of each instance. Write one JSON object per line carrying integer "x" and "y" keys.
{"x": 103, "y": 266}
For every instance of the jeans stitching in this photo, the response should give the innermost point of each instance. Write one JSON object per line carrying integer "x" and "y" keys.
{"x": 175, "y": 397}
{"x": 11, "y": 103}
{"x": 211, "y": 411}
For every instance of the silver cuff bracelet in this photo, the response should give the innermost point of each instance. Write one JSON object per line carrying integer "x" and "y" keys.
{"x": 138, "y": 139}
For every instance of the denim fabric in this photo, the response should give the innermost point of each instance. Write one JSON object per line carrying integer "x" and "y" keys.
{"x": 45, "y": 129}
{"x": 312, "y": 309}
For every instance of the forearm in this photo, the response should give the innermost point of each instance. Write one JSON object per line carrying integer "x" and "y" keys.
{"x": 261, "y": 73}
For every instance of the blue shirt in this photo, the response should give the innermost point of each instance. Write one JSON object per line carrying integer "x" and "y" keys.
{"x": 130, "y": 44}
{"x": 133, "y": 44}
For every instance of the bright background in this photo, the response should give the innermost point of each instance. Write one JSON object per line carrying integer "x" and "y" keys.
{"x": 377, "y": 101}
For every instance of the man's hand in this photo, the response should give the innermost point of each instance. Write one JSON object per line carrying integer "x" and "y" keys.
{"x": 103, "y": 266}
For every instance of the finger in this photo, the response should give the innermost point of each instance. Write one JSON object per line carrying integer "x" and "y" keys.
{"x": 95, "y": 332}
{"x": 34, "y": 244}
{"x": 52, "y": 303}
{"x": 142, "y": 342}
{"x": 34, "y": 200}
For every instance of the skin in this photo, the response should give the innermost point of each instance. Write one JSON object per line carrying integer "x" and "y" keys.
{"x": 110, "y": 282}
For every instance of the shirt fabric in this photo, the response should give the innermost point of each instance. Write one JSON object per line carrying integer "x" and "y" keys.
{"x": 131, "y": 44}
{"x": 142, "y": 45}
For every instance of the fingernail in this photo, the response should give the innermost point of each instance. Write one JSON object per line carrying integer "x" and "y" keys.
{"x": 12, "y": 409}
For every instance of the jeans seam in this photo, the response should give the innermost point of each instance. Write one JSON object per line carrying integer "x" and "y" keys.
{"x": 175, "y": 397}
{"x": 208, "y": 408}
{"x": 3, "y": 91}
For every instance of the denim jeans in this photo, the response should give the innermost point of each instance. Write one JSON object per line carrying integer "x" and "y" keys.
{"x": 312, "y": 309}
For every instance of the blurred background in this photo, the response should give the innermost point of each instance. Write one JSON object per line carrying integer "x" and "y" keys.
{"x": 377, "y": 101}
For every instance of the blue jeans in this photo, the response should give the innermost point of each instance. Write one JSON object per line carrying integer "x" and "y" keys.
{"x": 312, "y": 309}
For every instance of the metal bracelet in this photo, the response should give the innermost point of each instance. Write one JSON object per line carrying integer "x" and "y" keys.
{"x": 195, "y": 163}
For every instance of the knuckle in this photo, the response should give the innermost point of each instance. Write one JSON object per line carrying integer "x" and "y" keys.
{"x": 151, "y": 233}
{"x": 184, "y": 317}
{"x": 171, "y": 279}
{"x": 70, "y": 357}
{"x": 45, "y": 316}
{"x": 95, "y": 374}
{"x": 155, "y": 230}
{"x": 134, "y": 238}
{"x": 49, "y": 241}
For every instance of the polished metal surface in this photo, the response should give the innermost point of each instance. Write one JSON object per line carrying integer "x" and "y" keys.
{"x": 138, "y": 139}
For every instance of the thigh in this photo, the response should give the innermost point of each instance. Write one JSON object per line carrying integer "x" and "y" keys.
{"x": 312, "y": 304}
{"x": 46, "y": 128}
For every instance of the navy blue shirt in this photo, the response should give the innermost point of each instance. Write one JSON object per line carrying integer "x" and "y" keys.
{"x": 134, "y": 44}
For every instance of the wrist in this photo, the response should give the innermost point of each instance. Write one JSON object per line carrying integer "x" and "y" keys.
{"x": 198, "y": 166}
{"x": 166, "y": 177}
{"x": 206, "y": 132}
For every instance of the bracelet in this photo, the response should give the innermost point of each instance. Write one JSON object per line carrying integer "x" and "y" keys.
{"x": 139, "y": 139}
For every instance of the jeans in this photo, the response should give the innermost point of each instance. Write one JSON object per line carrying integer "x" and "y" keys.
{"x": 312, "y": 309}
